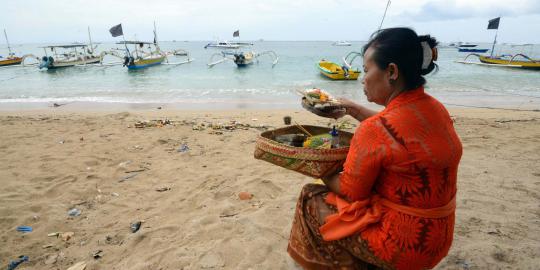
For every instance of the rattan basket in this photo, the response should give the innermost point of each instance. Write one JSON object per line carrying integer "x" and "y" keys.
{"x": 311, "y": 162}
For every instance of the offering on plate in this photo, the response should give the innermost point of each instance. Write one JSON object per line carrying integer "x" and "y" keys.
{"x": 321, "y": 103}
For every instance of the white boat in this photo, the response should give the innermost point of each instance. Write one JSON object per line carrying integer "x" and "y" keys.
{"x": 226, "y": 44}
{"x": 70, "y": 55}
{"x": 341, "y": 43}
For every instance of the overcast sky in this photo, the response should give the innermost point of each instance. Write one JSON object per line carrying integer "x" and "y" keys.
{"x": 44, "y": 21}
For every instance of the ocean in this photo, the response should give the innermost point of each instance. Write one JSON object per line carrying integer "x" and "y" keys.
{"x": 260, "y": 85}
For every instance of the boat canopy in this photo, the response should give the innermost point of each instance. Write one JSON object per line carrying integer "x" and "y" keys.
{"x": 67, "y": 46}
{"x": 134, "y": 42}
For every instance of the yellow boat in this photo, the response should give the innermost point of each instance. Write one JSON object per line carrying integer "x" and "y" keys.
{"x": 508, "y": 60}
{"x": 337, "y": 72}
{"x": 12, "y": 60}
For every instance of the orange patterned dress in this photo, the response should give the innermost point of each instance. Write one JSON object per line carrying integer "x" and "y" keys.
{"x": 399, "y": 183}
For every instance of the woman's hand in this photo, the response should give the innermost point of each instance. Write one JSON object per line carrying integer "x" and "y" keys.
{"x": 355, "y": 110}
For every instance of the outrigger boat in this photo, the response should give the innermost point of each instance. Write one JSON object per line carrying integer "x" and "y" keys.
{"x": 242, "y": 59}
{"x": 341, "y": 43}
{"x": 505, "y": 60}
{"x": 141, "y": 57}
{"x": 11, "y": 59}
{"x": 70, "y": 55}
{"x": 334, "y": 71}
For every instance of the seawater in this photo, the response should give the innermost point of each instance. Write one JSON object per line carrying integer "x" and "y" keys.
{"x": 259, "y": 85}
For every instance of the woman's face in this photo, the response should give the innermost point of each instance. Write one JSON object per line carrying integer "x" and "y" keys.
{"x": 376, "y": 82}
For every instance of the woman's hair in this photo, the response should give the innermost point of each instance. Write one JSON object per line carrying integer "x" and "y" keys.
{"x": 403, "y": 47}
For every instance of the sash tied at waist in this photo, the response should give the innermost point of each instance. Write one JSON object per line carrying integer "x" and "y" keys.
{"x": 356, "y": 216}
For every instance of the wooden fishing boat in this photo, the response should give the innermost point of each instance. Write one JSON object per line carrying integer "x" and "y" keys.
{"x": 520, "y": 61}
{"x": 241, "y": 59}
{"x": 144, "y": 54}
{"x": 11, "y": 59}
{"x": 336, "y": 72}
{"x": 70, "y": 55}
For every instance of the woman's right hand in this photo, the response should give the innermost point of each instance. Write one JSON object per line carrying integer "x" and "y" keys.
{"x": 356, "y": 110}
{"x": 347, "y": 104}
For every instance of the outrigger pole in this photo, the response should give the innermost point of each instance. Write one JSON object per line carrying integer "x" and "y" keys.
{"x": 90, "y": 40}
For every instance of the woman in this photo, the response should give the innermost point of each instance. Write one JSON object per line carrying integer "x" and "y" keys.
{"x": 392, "y": 206}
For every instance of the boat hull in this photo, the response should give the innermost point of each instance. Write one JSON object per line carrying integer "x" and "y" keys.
{"x": 11, "y": 61}
{"x": 335, "y": 72}
{"x": 144, "y": 63}
{"x": 519, "y": 64}
{"x": 65, "y": 64}
{"x": 473, "y": 50}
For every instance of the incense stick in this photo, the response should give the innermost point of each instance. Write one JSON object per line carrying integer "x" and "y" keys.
{"x": 303, "y": 129}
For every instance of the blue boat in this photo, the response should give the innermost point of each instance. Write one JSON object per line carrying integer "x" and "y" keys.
{"x": 473, "y": 50}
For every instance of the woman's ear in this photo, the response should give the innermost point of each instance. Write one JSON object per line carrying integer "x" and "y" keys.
{"x": 392, "y": 71}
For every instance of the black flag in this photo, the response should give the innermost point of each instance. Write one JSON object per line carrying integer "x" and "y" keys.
{"x": 116, "y": 30}
{"x": 494, "y": 23}
{"x": 236, "y": 33}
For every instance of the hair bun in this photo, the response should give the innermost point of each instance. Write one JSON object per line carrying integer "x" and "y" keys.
{"x": 430, "y": 53}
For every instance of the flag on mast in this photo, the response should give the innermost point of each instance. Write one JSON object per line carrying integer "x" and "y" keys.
{"x": 236, "y": 33}
{"x": 116, "y": 30}
{"x": 494, "y": 23}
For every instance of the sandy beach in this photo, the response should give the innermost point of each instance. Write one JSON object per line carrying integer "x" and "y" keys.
{"x": 181, "y": 179}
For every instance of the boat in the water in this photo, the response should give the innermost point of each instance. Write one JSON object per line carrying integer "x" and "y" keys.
{"x": 144, "y": 54}
{"x": 519, "y": 60}
{"x": 226, "y": 45}
{"x": 11, "y": 59}
{"x": 69, "y": 55}
{"x": 337, "y": 72}
{"x": 242, "y": 59}
{"x": 61, "y": 56}
{"x": 341, "y": 43}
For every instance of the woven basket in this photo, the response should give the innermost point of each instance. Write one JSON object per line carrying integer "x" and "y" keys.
{"x": 311, "y": 162}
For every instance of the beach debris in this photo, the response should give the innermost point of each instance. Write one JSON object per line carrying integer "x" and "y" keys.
{"x": 244, "y": 195}
{"x": 81, "y": 139}
{"x": 228, "y": 215}
{"x": 54, "y": 234}
{"x": 51, "y": 259}
{"x": 35, "y": 217}
{"x": 74, "y": 212}
{"x": 152, "y": 123}
{"x": 135, "y": 226}
{"x": 183, "y": 148}
{"x": 464, "y": 264}
{"x": 287, "y": 120}
{"x": 61, "y": 142}
{"x": 97, "y": 254}
{"x": 127, "y": 177}
{"x": 56, "y": 105}
{"x": 67, "y": 236}
{"x": 138, "y": 170}
{"x": 162, "y": 189}
{"x": 13, "y": 264}
{"x": 78, "y": 266}
{"x": 24, "y": 229}
{"x": 124, "y": 164}
{"x": 114, "y": 194}
{"x": 159, "y": 108}
{"x": 47, "y": 246}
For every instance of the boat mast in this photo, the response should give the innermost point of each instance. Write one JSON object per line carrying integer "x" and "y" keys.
{"x": 90, "y": 39}
{"x": 494, "y": 41}
{"x": 387, "y": 5}
{"x": 155, "y": 38}
{"x": 7, "y": 41}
